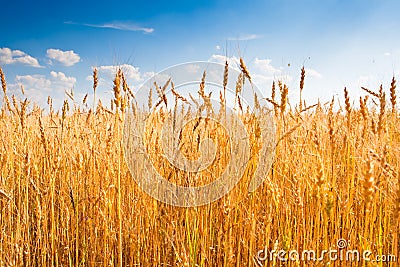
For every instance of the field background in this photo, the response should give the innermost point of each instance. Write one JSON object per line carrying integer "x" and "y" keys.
{"x": 67, "y": 197}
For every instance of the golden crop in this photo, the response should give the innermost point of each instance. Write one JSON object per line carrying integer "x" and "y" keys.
{"x": 67, "y": 197}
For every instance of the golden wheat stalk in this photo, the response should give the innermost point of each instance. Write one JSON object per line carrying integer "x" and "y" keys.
{"x": 393, "y": 94}
{"x": 302, "y": 77}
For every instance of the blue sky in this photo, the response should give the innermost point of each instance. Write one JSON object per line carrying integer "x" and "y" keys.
{"x": 49, "y": 47}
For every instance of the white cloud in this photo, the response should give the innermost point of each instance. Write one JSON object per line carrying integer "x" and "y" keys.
{"x": 264, "y": 73}
{"x": 261, "y": 70}
{"x": 264, "y": 66}
{"x": 38, "y": 87}
{"x": 67, "y": 58}
{"x": 135, "y": 78}
{"x": 57, "y": 81}
{"x": 387, "y": 54}
{"x": 130, "y": 72}
{"x": 312, "y": 73}
{"x": 123, "y": 26}
{"x": 234, "y": 62}
{"x": 218, "y": 47}
{"x": 17, "y": 53}
{"x": 8, "y": 56}
{"x": 106, "y": 75}
{"x": 38, "y": 82}
{"x": 245, "y": 37}
{"x": 148, "y": 75}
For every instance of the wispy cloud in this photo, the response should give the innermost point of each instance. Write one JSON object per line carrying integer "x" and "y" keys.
{"x": 245, "y": 37}
{"x": 67, "y": 58}
{"x": 234, "y": 62}
{"x": 264, "y": 66}
{"x": 8, "y": 56}
{"x": 36, "y": 83}
{"x": 131, "y": 72}
{"x": 37, "y": 87}
{"x": 122, "y": 26}
{"x": 313, "y": 73}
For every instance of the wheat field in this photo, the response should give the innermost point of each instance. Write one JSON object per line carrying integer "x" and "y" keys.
{"x": 67, "y": 196}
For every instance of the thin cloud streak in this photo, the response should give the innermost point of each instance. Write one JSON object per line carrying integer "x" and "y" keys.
{"x": 246, "y": 37}
{"x": 122, "y": 26}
